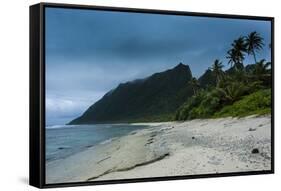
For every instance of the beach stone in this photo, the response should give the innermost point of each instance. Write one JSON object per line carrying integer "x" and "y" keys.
{"x": 255, "y": 151}
{"x": 252, "y": 129}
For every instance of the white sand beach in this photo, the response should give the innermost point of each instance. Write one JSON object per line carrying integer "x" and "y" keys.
{"x": 198, "y": 146}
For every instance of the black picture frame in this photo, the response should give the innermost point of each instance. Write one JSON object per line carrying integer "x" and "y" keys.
{"x": 37, "y": 94}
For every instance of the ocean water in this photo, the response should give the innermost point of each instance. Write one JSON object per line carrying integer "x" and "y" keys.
{"x": 65, "y": 140}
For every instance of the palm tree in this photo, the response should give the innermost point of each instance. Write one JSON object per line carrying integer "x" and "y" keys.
{"x": 231, "y": 56}
{"x": 217, "y": 70}
{"x": 236, "y": 53}
{"x": 194, "y": 85}
{"x": 253, "y": 42}
{"x": 239, "y": 49}
{"x": 232, "y": 92}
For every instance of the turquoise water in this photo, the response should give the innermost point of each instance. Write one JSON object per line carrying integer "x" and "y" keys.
{"x": 65, "y": 140}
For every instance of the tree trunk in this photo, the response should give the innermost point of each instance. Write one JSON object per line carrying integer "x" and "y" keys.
{"x": 254, "y": 54}
{"x": 217, "y": 81}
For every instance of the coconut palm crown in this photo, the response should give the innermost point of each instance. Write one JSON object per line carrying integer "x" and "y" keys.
{"x": 253, "y": 43}
{"x": 217, "y": 70}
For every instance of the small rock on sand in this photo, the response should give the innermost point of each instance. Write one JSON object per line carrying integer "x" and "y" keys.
{"x": 255, "y": 151}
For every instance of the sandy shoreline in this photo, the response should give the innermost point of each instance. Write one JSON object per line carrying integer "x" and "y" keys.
{"x": 198, "y": 146}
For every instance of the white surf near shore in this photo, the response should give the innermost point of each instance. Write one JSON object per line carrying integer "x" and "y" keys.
{"x": 200, "y": 146}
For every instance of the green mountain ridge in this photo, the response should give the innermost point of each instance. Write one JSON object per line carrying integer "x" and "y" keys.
{"x": 170, "y": 95}
{"x": 155, "y": 98}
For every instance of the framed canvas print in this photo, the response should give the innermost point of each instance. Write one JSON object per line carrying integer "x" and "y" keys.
{"x": 122, "y": 95}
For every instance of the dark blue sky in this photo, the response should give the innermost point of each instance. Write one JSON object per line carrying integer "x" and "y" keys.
{"x": 90, "y": 52}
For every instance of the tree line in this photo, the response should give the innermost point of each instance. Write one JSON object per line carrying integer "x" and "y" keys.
{"x": 230, "y": 85}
